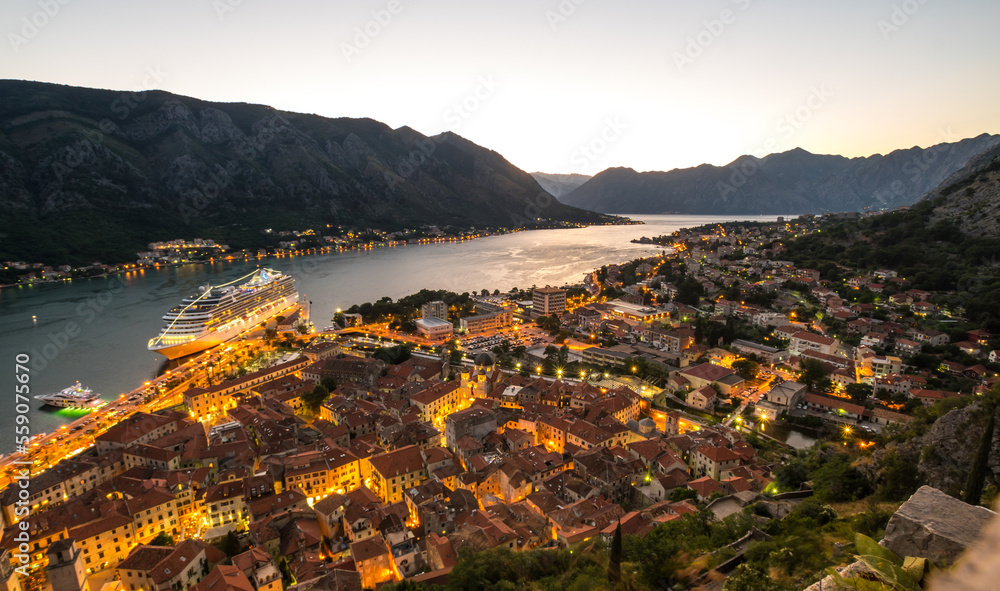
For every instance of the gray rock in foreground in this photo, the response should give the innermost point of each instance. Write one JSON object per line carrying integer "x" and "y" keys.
{"x": 979, "y": 568}
{"x": 935, "y": 526}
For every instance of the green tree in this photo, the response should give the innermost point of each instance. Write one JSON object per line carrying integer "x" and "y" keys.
{"x": 813, "y": 370}
{"x": 615, "y": 561}
{"x": 980, "y": 465}
{"x": 681, "y": 494}
{"x": 746, "y": 368}
{"x": 750, "y": 577}
{"x": 898, "y": 475}
{"x": 314, "y": 398}
{"x": 162, "y": 539}
{"x": 858, "y": 392}
{"x": 230, "y": 544}
{"x": 563, "y": 356}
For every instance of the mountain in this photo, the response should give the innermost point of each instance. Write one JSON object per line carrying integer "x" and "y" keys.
{"x": 970, "y": 198}
{"x": 559, "y": 184}
{"x": 792, "y": 182}
{"x": 946, "y": 242}
{"x": 91, "y": 174}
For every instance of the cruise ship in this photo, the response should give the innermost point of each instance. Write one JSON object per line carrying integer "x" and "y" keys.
{"x": 76, "y": 396}
{"x": 217, "y": 314}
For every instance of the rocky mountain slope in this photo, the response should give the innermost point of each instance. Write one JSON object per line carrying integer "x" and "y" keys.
{"x": 971, "y": 197}
{"x": 558, "y": 185}
{"x": 150, "y": 165}
{"x": 792, "y": 182}
{"x": 944, "y": 454}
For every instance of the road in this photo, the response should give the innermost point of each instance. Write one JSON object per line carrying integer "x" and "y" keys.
{"x": 47, "y": 449}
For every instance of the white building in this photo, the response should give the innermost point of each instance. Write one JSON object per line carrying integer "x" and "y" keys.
{"x": 435, "y": 328}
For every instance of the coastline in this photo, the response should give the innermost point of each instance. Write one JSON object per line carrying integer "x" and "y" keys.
{"x": 282, "y": 253}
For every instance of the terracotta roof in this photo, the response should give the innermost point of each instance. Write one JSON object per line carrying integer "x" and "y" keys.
{"x": 144, "y": 558}
{"x": 369, "y": 548}
{"x": 395, "y": 463}
{"x": 224, "y": 578}
{"x": 707, "y": 371}
{"x": 718, "y": 454}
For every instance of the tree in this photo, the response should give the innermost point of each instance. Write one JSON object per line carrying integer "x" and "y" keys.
{"x": 681, "y": 494}
{"x": 162, "y": 539}
{"x": 858, "y": 392}
{"x": 313, "y": 399}
{"x": 813, "y": 370}
{"x": 230, "y": 544}
{"x": 749, "y": 577}
{"x": 329, "y": 383}
{"x": 746, "y": 368}
{"x": 977, "y": 475}
{"x": 615, "y": 561}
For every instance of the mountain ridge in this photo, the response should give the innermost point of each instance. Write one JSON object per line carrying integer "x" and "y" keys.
{"x": 175, "y": 166}
{"x": 558, "y": 185}
{"x": 795, "y": 181}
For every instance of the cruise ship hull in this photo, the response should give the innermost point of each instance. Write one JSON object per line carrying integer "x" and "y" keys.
{"x": 215, "y": 338}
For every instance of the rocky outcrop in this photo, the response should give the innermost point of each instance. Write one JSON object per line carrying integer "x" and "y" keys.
{"x": 938, "y": 527}
{"x": 979, "y": 568}
{"x": 944, "y": 454}
{"x": 934, "y": 526}
{"x": 971, "y": 198}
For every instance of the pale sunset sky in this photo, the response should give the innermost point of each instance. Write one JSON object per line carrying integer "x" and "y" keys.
{"x": 553, "y": 85}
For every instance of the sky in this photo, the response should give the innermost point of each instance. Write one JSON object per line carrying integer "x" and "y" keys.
{"x": 560, "y": 86}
